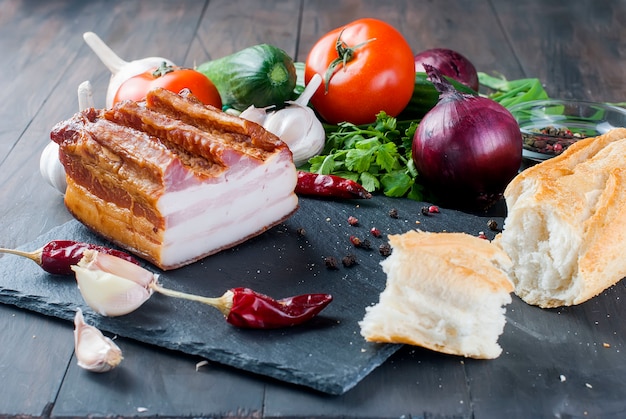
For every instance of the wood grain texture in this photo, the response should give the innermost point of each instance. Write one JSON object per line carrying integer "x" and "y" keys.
{"x": 229, "y": 26}
{"x": 35, "y": 354}
{"x": 575, "y": 48}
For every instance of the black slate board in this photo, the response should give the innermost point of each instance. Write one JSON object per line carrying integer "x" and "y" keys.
{"x": 327, "y": 354}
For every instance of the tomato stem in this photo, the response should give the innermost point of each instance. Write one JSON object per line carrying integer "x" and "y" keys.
{"x": 345, "y": 54}
{"x": 162, "y": 70}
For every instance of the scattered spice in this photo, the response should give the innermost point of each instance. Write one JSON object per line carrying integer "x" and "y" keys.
{"x": 493, "y": 225}
{"x": 384, "y": 249}
{"x": 301, "y": 232}
{"x": 349, "y": 260}
{"x": 353, "y": 221}
{"x": 393, "y": 213}
{"x": 375, "y": 232}
{"x": 550, "y": 139}
{"x": 425, "y": 211}
{"x": 331, "y": 263}
{"x": 357, "y": 242}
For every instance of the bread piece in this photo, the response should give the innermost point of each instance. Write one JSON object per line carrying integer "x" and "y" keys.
{"x": 445, "y": 292}
{"x": 566, "y": 225}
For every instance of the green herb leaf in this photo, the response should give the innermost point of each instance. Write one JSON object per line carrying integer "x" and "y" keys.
{"x": 369, "y": 182}
{"x": 396, "y": 184}
{"x": 359, "y": 159}
{"x": 387, "y": 157}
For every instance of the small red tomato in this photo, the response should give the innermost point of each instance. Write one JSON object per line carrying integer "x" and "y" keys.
{"x": 367, "y": 67}
{"x": 170, "y": 78}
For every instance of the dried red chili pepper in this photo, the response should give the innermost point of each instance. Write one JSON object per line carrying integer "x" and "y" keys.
{"x": 243, "y": 307}
{"x": 57, "y": 256}
{"x": 329, "y": 186}
{"x": 251, "y": 309}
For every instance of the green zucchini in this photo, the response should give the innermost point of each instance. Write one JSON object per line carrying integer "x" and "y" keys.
{"x": 425, "y": 96}
{"x": 261, "y": 75}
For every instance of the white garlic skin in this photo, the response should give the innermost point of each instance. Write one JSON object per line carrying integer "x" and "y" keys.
{"x": 51, "y": 168}
{"x": 112, "y": 286}
{"x": 296, "y": 124}
{"x": 94, "y": 351}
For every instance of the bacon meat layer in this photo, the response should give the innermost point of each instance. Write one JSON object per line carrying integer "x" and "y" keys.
{"x": 172, "y": 180}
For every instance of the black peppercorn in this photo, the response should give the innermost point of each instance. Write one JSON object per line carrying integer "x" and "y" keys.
{"x": 331, "y": 262}
{"x": 349, "y": 260}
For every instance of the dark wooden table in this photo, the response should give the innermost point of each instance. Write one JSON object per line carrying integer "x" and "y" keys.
{"x": 576, "y": 48}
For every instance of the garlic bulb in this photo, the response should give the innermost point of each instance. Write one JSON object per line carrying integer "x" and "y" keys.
{"x": 49, "y": 165}
{"x": 112, "y": 286}
{"x": 120, "y": 70}
{"x": 51, "y": 168}
{"x": 296, "y": 124}
{"x": 94, "y": 351}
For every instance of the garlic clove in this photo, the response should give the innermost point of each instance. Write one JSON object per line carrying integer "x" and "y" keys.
{"x": 110, "y": 285}
{"x": 85, "y": 96}
{"x": 258, "y": 115}
{"x": 300, "y": 129}
{"x": 94, "y": 351}
{"x": 50, "y": 167}
{"x": 289, "y": 124}
{"x": 296, "y": 124}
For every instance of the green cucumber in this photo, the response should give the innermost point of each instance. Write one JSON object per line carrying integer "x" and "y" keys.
{"x": 425, "y": 96}
{"x": 261, "y": 75}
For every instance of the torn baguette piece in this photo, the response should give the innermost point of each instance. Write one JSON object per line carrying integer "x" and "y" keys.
{"x": 172, "y": 180}
{"x": 445, "y": 291}
{"x": 565, "y": 228}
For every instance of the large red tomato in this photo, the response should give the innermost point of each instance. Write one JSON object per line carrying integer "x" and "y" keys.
{"x": 170, "y": 78}
{"x": 374, "y": 70}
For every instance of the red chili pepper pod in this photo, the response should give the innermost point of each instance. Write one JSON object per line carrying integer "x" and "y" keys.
{"x": 57, "y": 256}
{"x": 251, "y": 309}
{"x": 329, "y": 186}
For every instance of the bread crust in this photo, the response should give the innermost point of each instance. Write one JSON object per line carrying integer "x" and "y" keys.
{"x": 574, "y": 209}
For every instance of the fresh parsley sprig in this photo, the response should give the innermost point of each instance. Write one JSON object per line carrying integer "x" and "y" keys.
{"x": 378, "y": 156}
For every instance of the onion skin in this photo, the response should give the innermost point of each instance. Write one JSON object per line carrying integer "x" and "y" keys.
{"x": 467, "y": 148}
{"x": 450, "y": 63}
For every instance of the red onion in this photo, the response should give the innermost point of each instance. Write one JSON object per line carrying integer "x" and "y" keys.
{"x": 450, "y": 63}
{"x": 467, "y": 148}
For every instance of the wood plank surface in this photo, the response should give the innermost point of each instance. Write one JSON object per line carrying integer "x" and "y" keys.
{"x": 575, "y": 48}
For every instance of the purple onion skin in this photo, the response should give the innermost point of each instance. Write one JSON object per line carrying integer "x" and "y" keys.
{"x": 467, "y": 148}
{"x": 450, "y": 63}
